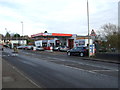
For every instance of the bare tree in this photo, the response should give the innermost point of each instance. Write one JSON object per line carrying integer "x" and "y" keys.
{"x": 109, "y": 29}
{"x": 110, "y": 33}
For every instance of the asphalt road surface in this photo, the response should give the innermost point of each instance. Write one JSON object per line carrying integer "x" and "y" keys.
{"x": 57, "y": 70}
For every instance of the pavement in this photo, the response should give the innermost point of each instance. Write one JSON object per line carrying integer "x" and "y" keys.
{"x": 12, "y": 78}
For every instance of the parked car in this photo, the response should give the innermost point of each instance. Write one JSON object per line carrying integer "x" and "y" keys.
{"x": 21, "y": 47}
{"x": 81, "y": 51}
{"x": 29, "y": 47}
{"x": 39, "y": 48}
{"x": 1, "y": 47}
{"x": 63, "y": 48}
{"x": 6, "y": 46}
{"x": 56, "y": 48}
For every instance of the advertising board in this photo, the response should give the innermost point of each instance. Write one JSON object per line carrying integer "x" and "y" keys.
{"x": 92, "y": 50}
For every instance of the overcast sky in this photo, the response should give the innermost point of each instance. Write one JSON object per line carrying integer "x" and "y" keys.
{"x": 56, "y": 16}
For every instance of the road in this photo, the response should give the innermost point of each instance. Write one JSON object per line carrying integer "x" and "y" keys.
{"x": 57, "y": 70}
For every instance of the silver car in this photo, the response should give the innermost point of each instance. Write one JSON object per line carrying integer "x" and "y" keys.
{"x": 21, "y": 47}
{"x": 29, "y": 47}
{"x": 39, "y": 48}
{"x": 64, "y": 48}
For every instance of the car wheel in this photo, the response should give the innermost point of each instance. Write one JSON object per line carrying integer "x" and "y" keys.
{"x": 81, "y": 54}
{"x": 69, "y": 54}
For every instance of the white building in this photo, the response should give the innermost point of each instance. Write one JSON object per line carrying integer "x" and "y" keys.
{"x": 13, "y": 42}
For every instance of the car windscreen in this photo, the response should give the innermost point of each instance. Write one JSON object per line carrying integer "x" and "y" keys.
{"x": 79, "y": 48}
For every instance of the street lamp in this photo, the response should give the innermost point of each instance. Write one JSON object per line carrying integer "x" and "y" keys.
{"x": 22, "y": 27}
{"x": 22, "y": 32}
{"x": 6, "y": 33}
{"x": 88, "y": 29}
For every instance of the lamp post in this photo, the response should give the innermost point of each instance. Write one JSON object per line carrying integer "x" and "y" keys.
{"x": 6, "y": 33}
{"x": 22, "y": 32}
{"x": 88, "y": 29}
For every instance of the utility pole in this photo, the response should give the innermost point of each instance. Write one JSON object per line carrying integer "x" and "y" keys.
{"x": 88, "y": 28}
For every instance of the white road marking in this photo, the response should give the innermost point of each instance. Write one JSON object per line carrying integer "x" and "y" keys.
{"x": 81, "y": 63}
{"x": 105, "y": 70}
{"x": 90, "y": 71}
{"x": 79, "y": 69}
{"x": 52, "y": 60}
{"x": 102, "y": 68}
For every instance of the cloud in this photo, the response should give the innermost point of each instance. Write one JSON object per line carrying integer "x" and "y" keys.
{"x": 64, "y": 16}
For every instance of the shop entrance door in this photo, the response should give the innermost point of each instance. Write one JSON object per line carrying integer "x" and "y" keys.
{"x": 70, "y": 43}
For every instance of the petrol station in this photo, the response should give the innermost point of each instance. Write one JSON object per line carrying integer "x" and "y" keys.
{"x": 54, "y": 39}
{"x": 60, "y": 39}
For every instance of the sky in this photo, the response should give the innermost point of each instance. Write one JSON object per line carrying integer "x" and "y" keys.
{"x": 56, "y": 16}
{"x": 119, "y": 14}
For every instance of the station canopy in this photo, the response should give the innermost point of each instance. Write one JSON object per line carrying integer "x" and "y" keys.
{"x": 51, "y": 35}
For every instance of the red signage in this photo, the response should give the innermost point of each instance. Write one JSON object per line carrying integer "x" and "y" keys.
{"x": 51, "y": 34}
{"x": 59, "y": 34}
